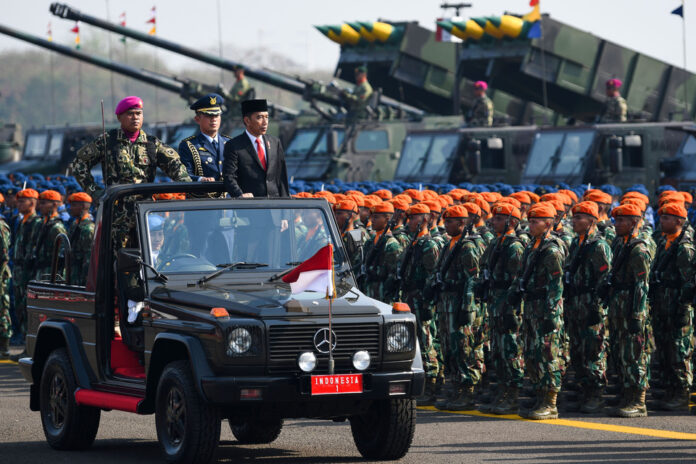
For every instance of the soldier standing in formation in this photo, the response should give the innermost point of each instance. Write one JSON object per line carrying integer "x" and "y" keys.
{"x": 81, "y": 233}
{"x": 5, "y": 289}
{"x": 382, "y": 254}
{"x": 51, "y": 227}
{"x": 615, "y": 108}
{"x": 346, "y": 213}
{"x": 481, "y": 112}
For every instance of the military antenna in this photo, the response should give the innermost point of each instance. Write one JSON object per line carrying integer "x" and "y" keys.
{"x": 457, "y": 6}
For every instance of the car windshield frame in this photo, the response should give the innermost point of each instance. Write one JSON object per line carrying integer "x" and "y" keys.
{"x": 554, "y": 160}
{"x": 30, "y": 144}
{"x": 419, "y": 168}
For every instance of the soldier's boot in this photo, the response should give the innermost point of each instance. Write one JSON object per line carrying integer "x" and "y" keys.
{"x": 441, "y": 404}
{"x": 576, "y": 400}
{"x": 678, "y": 402}
{"x": 527, "y": 407}
{"x": 620, "y": 399}
{"x": 509, "y": 403}
{"x": 593, "y": 402}
{"x": 495, "y": 399}
{"x": 547, "y": 409}
{"x": 635, "y": 406}
{"x": 465, "y": 401}
{"x": 428, "y": 398}
{"x": 439, "y": 385}
{"x": 4, "y": 348}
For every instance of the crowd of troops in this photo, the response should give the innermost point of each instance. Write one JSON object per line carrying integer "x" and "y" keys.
{"x": 565, "y": 291}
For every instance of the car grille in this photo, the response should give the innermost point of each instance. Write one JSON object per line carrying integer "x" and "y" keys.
{"x": 286, "y": 342}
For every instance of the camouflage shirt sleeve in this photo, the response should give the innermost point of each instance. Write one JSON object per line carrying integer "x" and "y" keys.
{"x": 600, "y": 260}
{"x": 553, "y": 267}
{"x": 168, "y": 160}
{"x": 86, "y": 158}
{"x": 469, "y": 269}
{"x": 430, "y": 256}
{"x": 4, "y": 244}
{"x": 685, "y": 267}
{"x": 639, "y": 270}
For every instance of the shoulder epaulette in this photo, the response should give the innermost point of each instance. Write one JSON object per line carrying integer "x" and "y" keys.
{"x": 190, "y": 138}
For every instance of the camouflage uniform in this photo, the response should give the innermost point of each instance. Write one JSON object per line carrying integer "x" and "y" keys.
{"x": 239, "y": 90}
{"x": 5, "y": 276}
{"x": 176, "y": 239}
{"x": 607, "y": 230}
{"x": 671, "y": 294}
{"x": 358, "y": 99}
{"x": 382, "y": 254}
{"x": 44, "y": 244}
{"x": 481, "y": 113}
{"x": 81, "y": 233}
{"x": 401, "y": 234}
{"x": 355, "y": 249}
{"x": 615, "y": 109}
{"x": 125, "y": 163}
{"x": 588, "y": 264}
{"x": 25, "y": 238}
{"x": 418, "y": 263}
{"x": 485, "y": 234}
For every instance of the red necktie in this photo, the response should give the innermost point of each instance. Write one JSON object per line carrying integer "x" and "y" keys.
{"x": 261, "y": 153}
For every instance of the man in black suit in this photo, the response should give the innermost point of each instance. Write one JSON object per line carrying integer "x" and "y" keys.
{"x": 254, "y": 164}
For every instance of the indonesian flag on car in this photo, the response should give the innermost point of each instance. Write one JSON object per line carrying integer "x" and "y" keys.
{"x": 315, "y": 274}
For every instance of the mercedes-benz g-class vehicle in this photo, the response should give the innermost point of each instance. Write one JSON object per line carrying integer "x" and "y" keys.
{"x": 195, "y": 325}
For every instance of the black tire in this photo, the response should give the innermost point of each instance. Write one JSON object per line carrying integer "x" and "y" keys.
{"x": 256, "y": 432}
{"x": 66, "y": 425}
{"x": 386, "y": 431}
{"x": 188, "y": 429}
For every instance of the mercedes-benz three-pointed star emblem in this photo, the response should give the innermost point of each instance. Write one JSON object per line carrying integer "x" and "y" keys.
{"x": 321, "y": 340}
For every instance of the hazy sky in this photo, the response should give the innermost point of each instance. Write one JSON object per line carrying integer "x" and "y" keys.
{"x": 286, "y": 26}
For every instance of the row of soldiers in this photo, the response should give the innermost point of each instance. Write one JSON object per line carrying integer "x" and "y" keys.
{"x": 27, "y": 242}
{"x": 530, "y": 286}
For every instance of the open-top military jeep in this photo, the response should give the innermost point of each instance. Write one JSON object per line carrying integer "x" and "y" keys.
{"x": 195, "y": 325}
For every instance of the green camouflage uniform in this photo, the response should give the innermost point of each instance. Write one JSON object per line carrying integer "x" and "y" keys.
{"x": 418, "y": 263}
{"x": 23, "y": 246}
{"x": 630, "y": 330}
{"x": 481, "y": 113}
{"x": 128, "y": 163}
{"x": 355, "y": 249}
{"x": 358, "y": 99}
{"x": 671, "y": 294}
{"x": 381, "y": 262}
{"x": 80, "y": 234}
{"x": 44, "y": 246}
{"x": 542, "y": 281}
{"x": 401, "y": 234}
{"x": 5, "y": 276}
{"x": 485, "y": 232}
{"x": 176, "y": 240}
{"x": 615, "y": 109}
{"x": 586, "y": 316}
{"x": 441, "y": 239}
{"x": 236, "y": 95}
{"x": 459, "y": 318}
{"x": 607, "y": 230}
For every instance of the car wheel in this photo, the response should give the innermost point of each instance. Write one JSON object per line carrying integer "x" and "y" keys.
{"x": 255, "y": 432}
{"x": 386, "y": 431}
{"x": 188, "y": 429}
{"x": 66, "y": 425}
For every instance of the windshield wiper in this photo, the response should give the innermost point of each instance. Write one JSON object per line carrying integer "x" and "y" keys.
{"x": 228, "y": 267}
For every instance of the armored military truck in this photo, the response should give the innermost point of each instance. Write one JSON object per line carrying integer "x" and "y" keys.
{"x": 195, "y": 326}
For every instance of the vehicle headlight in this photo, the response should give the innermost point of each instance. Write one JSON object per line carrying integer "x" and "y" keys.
{"x": 239, "y": 341}
{"x": 399, "y": 338}
{"x": 361, "y": 360}
{"x": 307, "y": 361}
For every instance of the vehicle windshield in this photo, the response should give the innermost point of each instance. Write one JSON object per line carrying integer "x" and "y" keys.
{"x": 305, "y": 140}
{"x": 35, "y": 146}
{"x": 203, "y": 240}
{"x": 56, "y": 146}
{"x": 689, "y": 147}
{"x": 559, "y": 154}
{"x": 426, "y": 156}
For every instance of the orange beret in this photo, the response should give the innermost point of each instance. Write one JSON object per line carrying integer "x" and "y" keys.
{"x": 491, "y": 197}
{"x": 400, "y": 203}
{"x": 598, "y": 197}
{"x": 457, "y": 194}
{"x": 670, "y": 193}
{"x": 303, "y": 195}
{"x": 163, "y": 196}
{"x": 355, "y": 192}
{"x": 359, "y": 200}
{"x": 673, "y": 209}
{"x": 403, "y": 197}
{"x": 417, "y": 195}
{"x": 327, "y": 195}
{"x": 346, "y": 205}
{"x": 80, "y": 196}
{"x": 634, "y": 201}
{"x": 670, "y": 199}
{"x": 532, "y": 196}
{"x": 2, "y": 198}
{"x": 375, "y": 199}
{"x": 370, "y": 202}
{"x": 483, "y": 204}
{"x": 429, "y": 194}
{"x": 434, "y": 205}
{"x": 522, "y": 197}
{"x": 637, "y": 195}
{"x": 560, "y": 207}
{"x": 418, "y": 208}
{"x": 542, "y": 210}
{"x": 626, "y": 210}
{"x": 471, "y": 197}
{"x": 457, "y": 211}
{"x": 570, "y": 194}
{"x": 28, "y": 193}
{"x": 383, "y": 194}
{"x": 50, "y": 195}
{"x": 472, "y": 208}
{"x": 513, "y": 201}
{"x": 587, "y": 207}
{"x": 507, "y": 209}
{"x": 449, "y": 201}
{"x": 687, "y": 197}
{"x": 340, "y": 196}
{"x": 384, "y": 207}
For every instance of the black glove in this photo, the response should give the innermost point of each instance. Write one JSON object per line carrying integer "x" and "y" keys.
{"x": 635, "y": 326}
{"x": 547, "y": 326}
{"x": 510, "y": 322}
{"x": 594, "y": 318}
{"x": 514, "y": 298}
{"x": 466, "y": 317}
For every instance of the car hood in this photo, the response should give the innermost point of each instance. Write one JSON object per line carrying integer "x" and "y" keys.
{"x": 268, "y": 300}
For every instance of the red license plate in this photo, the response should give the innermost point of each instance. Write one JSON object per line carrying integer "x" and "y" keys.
{"x": 337, "y": 384}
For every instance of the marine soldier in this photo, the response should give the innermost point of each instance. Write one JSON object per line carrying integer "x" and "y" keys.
{"x": 399, "y": 229}
{"x": 615, "y": 107}
{"x": 201, "y": 154}
{"x": 588, "y": 263}
{"x": 481, "y": 112}
{"x": 359, "y": 97}
{"x": 604, "y": 224}
{"x": 5, "y": 289}
{"x": 671, "y": 296}
{"x": 433, "y": 218}
{"x": 459, "y": 317}
{"x": 502, "y": 264}
{"x": 541, "y": 288}
{"x": 382, "y": 254}
{"x": 81, "y": 234}
{"x": 418, "y": 263}
{"x": 130, "y": 156}
{"x": 241, "y": 89}
{"x": 51, "y": 227}
{"x": 346, "y": 212}
{"x": 629, "y": 324}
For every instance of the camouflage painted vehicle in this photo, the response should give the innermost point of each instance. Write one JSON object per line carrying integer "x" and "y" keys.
{"x": 680, "y": 170}
{"x": 620, "y": 154}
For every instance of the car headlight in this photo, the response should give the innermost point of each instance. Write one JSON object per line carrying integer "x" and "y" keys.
{"x": 239, "y": 341}
{"x": 307, "y": 361}
{"x": 399, "y": 338}
{"x": 361, "y": 360}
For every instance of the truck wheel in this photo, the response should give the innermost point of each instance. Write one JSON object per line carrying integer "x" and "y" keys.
{"x": 67, "y": 425}
{"x": 257, "y": 431}
{"x": 386, "y": 431}
{"x": 188, "y": 429}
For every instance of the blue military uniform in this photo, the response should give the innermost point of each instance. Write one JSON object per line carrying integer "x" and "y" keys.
{"x": 201, "y": 156}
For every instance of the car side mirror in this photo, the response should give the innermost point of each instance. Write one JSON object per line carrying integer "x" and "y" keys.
{"x": 615, "y": 154}
{"x": 129, "y": 260}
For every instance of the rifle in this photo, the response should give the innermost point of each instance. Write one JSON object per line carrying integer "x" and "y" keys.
{"x": 432, "y": 293}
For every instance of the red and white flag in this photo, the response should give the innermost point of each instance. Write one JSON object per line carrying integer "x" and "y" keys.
{"x": 315, "y": 274}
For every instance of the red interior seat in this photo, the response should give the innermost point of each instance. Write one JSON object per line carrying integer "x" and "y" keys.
{"x": 125, "y": 362}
